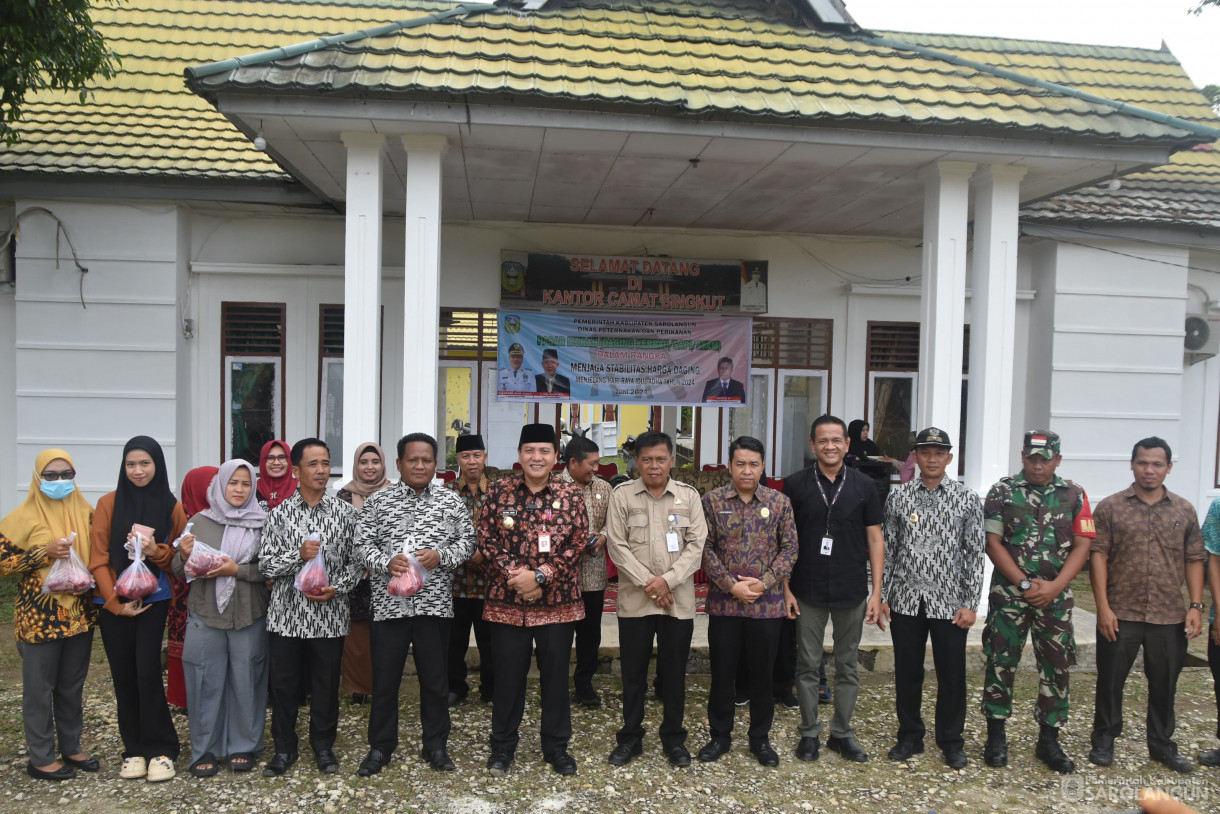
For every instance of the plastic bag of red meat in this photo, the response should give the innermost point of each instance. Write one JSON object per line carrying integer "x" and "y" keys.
{"x": 312, "y": 577}
{"x": 410, "y": 581}
{"x": 136, "y": 581}
{"x": 203, "y": 560}
{"x": 68, "y": 576}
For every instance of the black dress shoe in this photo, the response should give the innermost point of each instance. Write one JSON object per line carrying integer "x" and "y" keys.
{"x": 89, "y": 764}
{"x": 807, "y": 749}
{"x": 373, "y": 763}
{"x": 903, "y": 750}
{"x": 1209, "y": 758}
{"x": 1174, "y": 761}
{"x": 955, "y": 758}
{"x": 456, "y": 698}
{"x": 712, "y": 751}
{"x": 765, "y": 754}
{"x": 678, "y": 756}
{"x": 62, "y": 773}
{"x": 498, "y": 763}
{"x": 624, "y": 752}
{"x": 327, "y": 762}
{"x": 1102, "y": 753}
{"x": 279, "y": 763}
{"x": 562, "y": 763}
{"x": 438, "y": 759}
{"x": 847, "y": 748}
{"x": 788, "y": 701}
{"x": 590, "y": 700}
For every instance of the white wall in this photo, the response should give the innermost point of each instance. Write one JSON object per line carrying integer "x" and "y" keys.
{"x": 10, "y": 473}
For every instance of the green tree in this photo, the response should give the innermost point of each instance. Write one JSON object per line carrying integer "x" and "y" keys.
{"x": 47, "y": 44}
{"x": 1203, "y": 4}
{"x": 1212, "y": 92}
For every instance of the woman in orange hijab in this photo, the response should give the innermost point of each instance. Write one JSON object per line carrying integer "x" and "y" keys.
{"x": 54, "y": 630}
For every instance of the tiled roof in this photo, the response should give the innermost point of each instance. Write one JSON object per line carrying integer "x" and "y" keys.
{"x": 746, "y": 59}
{"x": 740, "y": 59}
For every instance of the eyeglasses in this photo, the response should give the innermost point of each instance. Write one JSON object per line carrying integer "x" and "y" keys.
{"x": 51, "y": 477}
{"x": 277, "y": 458}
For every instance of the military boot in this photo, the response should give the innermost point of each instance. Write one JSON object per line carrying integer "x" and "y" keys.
{"x": 1051, "y": 753}
{"x": 995, "y": 752}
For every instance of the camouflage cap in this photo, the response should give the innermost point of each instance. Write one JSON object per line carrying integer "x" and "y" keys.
{"x": 1042, "y": 442}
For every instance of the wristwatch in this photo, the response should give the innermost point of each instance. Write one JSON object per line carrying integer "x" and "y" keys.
{"x": 1196, "y": 606}
{"x": 540, "y": 578}
{"x": 1025, "y": 584}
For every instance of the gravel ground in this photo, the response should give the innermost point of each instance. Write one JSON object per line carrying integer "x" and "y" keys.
{"x": 735, "y": 783}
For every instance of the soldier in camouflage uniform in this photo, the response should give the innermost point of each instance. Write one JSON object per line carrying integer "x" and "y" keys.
{"x": 1039, "y": 528}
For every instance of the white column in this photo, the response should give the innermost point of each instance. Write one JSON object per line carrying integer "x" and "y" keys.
{"x": 361, "y": 294}
{"x": 993, "y": 308}
{"x": 422, "y": 283}
{"x": 942, "y": 305}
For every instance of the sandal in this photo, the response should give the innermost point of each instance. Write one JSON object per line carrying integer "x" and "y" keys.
{"x": 241, "y": 762}
{"x": 205, "y": 766}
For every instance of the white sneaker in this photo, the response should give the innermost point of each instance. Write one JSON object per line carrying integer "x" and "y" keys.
{"x": 133, "y": 768}
{"x": 160, "y": 768}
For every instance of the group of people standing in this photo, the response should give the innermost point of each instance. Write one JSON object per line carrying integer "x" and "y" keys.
{"x": 274, "y": 590}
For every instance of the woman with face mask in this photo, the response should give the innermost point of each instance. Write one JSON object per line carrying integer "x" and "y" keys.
{"x": 224, "y": 657}
{"x": 54, "y": 630}
{"x": 368, "y": 476}
{"x": 142, "y": 512}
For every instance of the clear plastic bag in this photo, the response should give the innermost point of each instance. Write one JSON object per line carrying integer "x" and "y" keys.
{"x": 203, "y": 560}
{"x": 409, "y": 582}
{"x": 68, "y": 576}
{"x": 312, "y": 578}
{"x": 136, "y": 581}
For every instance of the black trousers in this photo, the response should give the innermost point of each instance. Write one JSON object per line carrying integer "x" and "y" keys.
{"x": 320, "y": 659}
{"x": 510, "y": 647}
{"x": 730, "y": 639}
{"x": 1164, "y": 656}
{"x": 588, "y": 642}
{"x": 910, "y": 636}
{"x": 1213, "y": 661}
{"x": 389, "y": 641}
{"x": 133, "y": 648}
{"x": 783, "y": 675}
{"x": 673, "y": 638}
{"x": 468, "y": 613}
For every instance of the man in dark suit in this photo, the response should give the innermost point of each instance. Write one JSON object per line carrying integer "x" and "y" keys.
{"x": 549, "y": 382}
{"x": 724, "y": 387}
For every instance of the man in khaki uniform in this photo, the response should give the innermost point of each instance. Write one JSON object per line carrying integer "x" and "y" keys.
{"x": 656, "y": 532}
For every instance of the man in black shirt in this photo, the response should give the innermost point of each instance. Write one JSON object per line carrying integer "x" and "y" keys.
{"x": 838, "y": 523}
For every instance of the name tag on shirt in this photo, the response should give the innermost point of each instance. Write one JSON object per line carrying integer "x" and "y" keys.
{"x": 671, "y": 541}
{"x": 828, "y": 544}
{"x": 544, "y": 543}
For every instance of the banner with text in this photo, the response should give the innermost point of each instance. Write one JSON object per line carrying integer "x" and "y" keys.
{"x": 616, "y": 358}
{"x": 588, "y": 282}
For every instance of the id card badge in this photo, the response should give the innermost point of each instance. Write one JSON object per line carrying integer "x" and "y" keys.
{"x": 544, "y": 542}
{"x": 828, "y": 543}
{"x": 671, "y": 542}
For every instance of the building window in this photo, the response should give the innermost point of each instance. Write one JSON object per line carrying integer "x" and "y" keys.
{"x": 252, "y": 350}
{"x": 330, "y": 382}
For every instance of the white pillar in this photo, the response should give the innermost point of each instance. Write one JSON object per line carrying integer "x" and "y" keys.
{"x": 942, "y": 305}
{"x": 993, "y": 309}
{"x": 422, "y": 283}
{"x": 361, "y": 295}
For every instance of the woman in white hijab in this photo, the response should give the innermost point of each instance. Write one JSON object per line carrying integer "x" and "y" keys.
{"x": 224, "y": 656}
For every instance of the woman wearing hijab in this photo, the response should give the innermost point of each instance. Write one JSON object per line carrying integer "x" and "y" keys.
{"x": 275, "y": 480}
{"x": 225, "y": 654}
{"x": 368, "y": 476}
{"x": 194, "y": 500}
{"x": 859, "y": 444}
{"x": 54, "y": 631}
{"x": 132, "y": 629}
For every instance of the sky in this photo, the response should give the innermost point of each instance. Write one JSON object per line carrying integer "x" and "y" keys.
{"x": 1194, "y": 40}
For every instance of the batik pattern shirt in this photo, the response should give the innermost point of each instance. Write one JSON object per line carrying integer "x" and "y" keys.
{"x": 397, "y": 520}
{"x": 290, "y": 612}
{"x": 1037, "y": 525}
{"x": 469, "y": 581}
{"x": 934, "y": 549}
{"x": 1211, "y": 538}
{"x": 755, "y": 539}
{"x": 593, "y": 563}
{"x": 39, "y": 617}
{"x": 1147, "y": 548}
{"x": 510, "y": 521}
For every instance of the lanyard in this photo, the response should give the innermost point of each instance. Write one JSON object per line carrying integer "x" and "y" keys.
{"x": 830, "y": 504}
